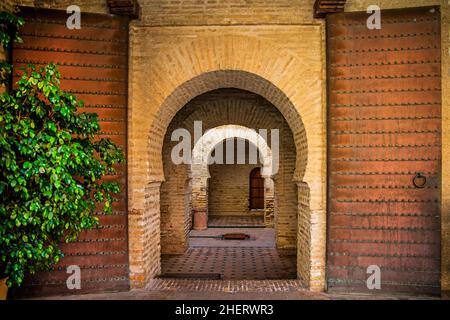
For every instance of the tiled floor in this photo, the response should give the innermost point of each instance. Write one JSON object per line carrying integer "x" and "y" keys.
{"x": 211, "y": 257}
{"x": 235, "y": 221}
{"x": 231, "y": 263}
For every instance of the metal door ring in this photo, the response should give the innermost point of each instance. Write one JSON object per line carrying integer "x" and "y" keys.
{"x": 419, "y": 181}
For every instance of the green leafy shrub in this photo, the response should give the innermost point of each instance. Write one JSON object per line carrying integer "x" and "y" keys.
{"x": 51, "y": 170}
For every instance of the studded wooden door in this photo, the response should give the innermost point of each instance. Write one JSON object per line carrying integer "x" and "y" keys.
{"x": 93, "y": 66}
{"x": 256, "y": 189}
{"x": 384, "y": 150}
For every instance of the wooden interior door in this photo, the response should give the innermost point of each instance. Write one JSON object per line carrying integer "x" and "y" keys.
{"x": 256, "y": 189}
{"x": 384, "y": 150}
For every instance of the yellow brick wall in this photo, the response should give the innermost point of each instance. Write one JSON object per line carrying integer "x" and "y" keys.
{"x": 229, "y": 187}
{"x": 225, "y": 12}
{"x": 194, "y": 12}
{"x": 92, "y": 6}
{"x": 6, "y": 5}
{"x": 229, "y": 184}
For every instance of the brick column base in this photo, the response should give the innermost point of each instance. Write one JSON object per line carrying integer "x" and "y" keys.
{"x": 200, "y": 220}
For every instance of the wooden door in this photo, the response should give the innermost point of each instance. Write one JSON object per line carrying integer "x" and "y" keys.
{"x": 384, "y": 118}
{"x": 256, "y": 189}
{"x": 93, "y": 66}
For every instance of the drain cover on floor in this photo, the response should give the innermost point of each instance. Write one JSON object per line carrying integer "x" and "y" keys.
{"x": 235, "y": 236}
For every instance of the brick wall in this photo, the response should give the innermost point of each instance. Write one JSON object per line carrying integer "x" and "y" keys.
{"x": 6, "y": 5}
{"x": 217, "y": 12}
{"x": 229, "y": 189}
{"x": 194, "y": 12}
{"x": 92, "y": 6}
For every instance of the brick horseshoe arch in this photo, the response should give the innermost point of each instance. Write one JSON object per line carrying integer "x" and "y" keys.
{"x": 206, "y": 144}
{"x": 177, "y": 75}
{"x": 200, "y": 159}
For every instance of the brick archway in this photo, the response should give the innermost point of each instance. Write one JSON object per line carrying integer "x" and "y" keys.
{"x": 194, "y": 67}
{"x": 208, "y": 142}
{"x": 201, "y": 153}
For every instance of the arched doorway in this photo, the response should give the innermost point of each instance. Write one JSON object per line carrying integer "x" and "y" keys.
{"x": 144, "y": 212}
{"x": 269, "y": 252}
{"x": 213, "y": 141}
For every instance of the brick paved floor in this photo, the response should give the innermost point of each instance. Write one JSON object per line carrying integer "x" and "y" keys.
{"x": 179, "y": 289}
{"x": 211, "y": 257}
{"x": 230, "y": 286}
{"x": 231, "y": 263}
